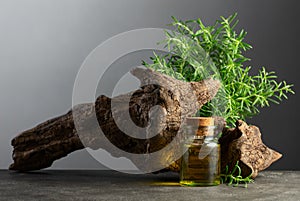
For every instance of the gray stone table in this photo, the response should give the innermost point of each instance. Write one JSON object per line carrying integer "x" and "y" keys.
{"x": 111, "y": 185}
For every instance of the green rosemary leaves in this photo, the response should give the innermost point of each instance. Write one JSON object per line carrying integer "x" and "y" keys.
{"x": 244, "y": 93}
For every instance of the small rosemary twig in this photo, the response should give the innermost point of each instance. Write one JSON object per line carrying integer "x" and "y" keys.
{"x": 234, "y": 177}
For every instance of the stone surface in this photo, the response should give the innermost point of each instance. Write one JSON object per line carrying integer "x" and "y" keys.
{"x": 110, "y": 185}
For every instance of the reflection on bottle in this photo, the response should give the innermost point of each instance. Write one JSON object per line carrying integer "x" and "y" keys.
{"x": 200, "y": 164}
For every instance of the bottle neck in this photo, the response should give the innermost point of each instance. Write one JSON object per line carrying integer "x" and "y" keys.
{"x": 200, "y": 131}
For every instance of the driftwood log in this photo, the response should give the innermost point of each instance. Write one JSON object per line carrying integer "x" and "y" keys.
{"x": 40, "y": 146}
{"x": 244, "y": 144}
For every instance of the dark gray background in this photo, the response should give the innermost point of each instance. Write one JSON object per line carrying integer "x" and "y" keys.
{"x": 43, "y": 44}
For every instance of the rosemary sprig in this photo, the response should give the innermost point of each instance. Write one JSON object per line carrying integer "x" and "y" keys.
{"x": 198, "y": 49}
{"x": 234, "y": 177}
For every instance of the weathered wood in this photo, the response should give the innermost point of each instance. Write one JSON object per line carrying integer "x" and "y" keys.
{"x": 244, "y": 144}
{"x": 38, "y": 147}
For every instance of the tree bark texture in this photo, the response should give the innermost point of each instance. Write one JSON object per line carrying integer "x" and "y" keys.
{"x": 244, "y": 144}
{"x": 40, "y": 146}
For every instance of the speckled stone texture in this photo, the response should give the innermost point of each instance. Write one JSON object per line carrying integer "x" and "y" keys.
{"x": 110, "y": 185}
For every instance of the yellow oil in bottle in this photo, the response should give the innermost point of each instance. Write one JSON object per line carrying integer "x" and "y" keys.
{"x": 200, "y": 165}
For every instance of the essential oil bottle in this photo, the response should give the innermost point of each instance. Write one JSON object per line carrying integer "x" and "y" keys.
{"x": 200, "y": 165}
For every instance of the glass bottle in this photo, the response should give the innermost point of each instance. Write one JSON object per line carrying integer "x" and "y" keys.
{"x": 200, "y": 165}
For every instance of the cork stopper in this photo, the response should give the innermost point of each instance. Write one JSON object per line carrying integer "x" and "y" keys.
{"x": 200, "y": 121}
{"x": 202, "y": 126}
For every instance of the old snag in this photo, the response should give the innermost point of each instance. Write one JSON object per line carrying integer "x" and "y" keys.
{"x": 40, "y": 146}
{"x": 244, "y": 144}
